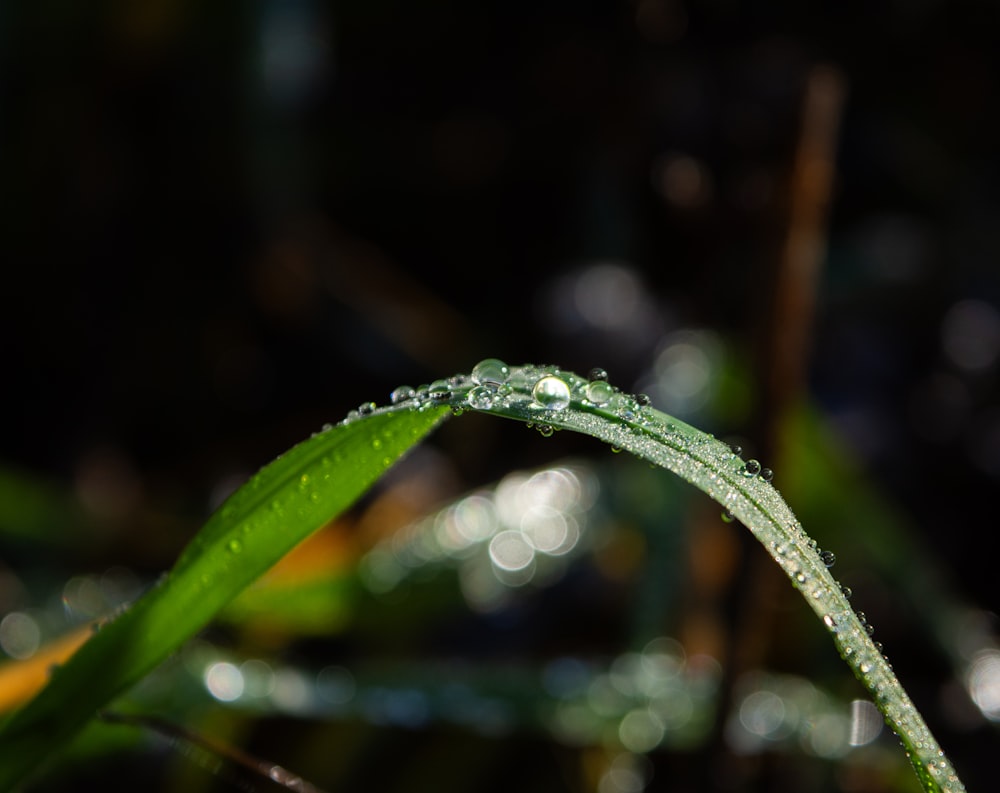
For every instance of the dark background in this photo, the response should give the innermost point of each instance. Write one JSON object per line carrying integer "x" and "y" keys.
{"x": 224, "y": 224}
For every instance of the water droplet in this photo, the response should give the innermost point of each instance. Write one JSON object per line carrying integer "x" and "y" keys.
{"x": 439, "y": 390}
{"x": 627, "y": 407}
{"x": 847, "y": 591}
{"x": 766, "y": 474}
{"x": 545, "y": 430}
{"x": 376, "y": 443}
{"x": 736, "y": 449}
{"x": 752, "y": 468}
{"x": 616, "y": 449}
{"x": 401, "y": 394}
{"x": 829, "y": 558}
{"x": 643, "y": 400}
{"x": 728, "y": 517}
{"x": 600, "y": 392}
{"x": 490, "y": 371}
{"x": 481, "y": 397}
{"x": 597, "y": 373}
{"x": 235, "y": 546}
{"x": 551, "y": 393}
{"x": 456, "y": 410}
{"x": 365, "y": 408}
{"x": 829, "y": 621}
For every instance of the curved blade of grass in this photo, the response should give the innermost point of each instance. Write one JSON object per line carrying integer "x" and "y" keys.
{"x": 262, "y": 521}
{"x": 543, "y": 396}
{"x": 551, "y": 399}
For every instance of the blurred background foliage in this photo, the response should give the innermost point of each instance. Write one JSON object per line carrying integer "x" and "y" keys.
{"x": 225, "y": 224}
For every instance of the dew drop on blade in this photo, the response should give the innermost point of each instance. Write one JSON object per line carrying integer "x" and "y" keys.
{"x": 600, "y": 392}
{"x": 401, "y": 394}
{"x": 627, "y": 408}
{"x": 767, "y": 475}
{"x": 551, "y": 393}
{"x": 597, "y": 373}
{"x": 829, "y": 558}
{"x": 752, "y": 468}
{"x": 481, "y": 397}
{"x": 439, "y": 390}
{"x": 490, "y": 371}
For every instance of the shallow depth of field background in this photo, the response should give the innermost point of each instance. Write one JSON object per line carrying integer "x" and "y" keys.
{"x": 226, "y": 224}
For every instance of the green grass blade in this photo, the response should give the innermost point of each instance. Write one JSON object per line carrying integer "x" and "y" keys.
{"x": 281, "y": 505}
{"x": 322, "y": 476}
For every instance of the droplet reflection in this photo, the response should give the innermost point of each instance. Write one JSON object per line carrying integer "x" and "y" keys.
{"x": 496, "y": 538}
{"x": 224, "y": 681}
{"x": 511, "y": 551}
{"x": 983, "y": 682}
{"x": 20, "y": 635}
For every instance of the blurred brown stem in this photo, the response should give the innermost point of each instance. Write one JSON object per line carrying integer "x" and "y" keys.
{"x": 178, "y": 734}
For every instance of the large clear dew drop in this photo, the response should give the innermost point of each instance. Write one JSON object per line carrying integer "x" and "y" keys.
{"x": 490, "y": 371}
{"x": 551, "y": 393}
